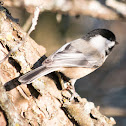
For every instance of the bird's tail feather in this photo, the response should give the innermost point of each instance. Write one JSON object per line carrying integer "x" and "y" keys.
{"x": 34, "y": 74}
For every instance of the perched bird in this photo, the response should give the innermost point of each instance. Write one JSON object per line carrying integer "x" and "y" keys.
{"x": 77, "y": 58}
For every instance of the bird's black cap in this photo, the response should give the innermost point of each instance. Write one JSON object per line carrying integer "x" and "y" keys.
{"x": 103, "y": 32}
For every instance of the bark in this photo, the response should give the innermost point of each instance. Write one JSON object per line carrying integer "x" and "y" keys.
{"x": 42, "y": 102}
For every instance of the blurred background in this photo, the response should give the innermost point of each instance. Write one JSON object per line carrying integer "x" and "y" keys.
{"x": 106, "y": 87}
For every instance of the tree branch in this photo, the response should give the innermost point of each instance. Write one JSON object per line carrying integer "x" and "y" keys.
{"x": 43, "y": 102}
{"x": 109, "y": 10}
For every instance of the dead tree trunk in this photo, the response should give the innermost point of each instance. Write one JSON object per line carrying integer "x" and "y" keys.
{"x": 42, "y": 102}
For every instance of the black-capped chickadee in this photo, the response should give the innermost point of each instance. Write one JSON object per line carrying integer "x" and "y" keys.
{"x": 77, "y": 58}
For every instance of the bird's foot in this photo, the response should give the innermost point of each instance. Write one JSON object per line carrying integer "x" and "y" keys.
{"x": 70, "y": 93}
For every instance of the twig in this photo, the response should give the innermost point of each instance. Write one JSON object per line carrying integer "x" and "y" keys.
{"x": 27, "y": 24}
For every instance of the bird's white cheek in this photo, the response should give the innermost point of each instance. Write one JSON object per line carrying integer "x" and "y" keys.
{"x": 98, "y": 42}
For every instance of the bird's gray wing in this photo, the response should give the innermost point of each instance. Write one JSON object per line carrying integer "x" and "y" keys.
{"x": 70, "y": 56}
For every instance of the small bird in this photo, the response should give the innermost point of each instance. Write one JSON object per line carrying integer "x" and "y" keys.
{"x": 77, "y": 58}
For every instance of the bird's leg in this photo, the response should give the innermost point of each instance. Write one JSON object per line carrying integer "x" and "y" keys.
{"x": 69, "y": 85}
{"x": 74, "y": 94}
